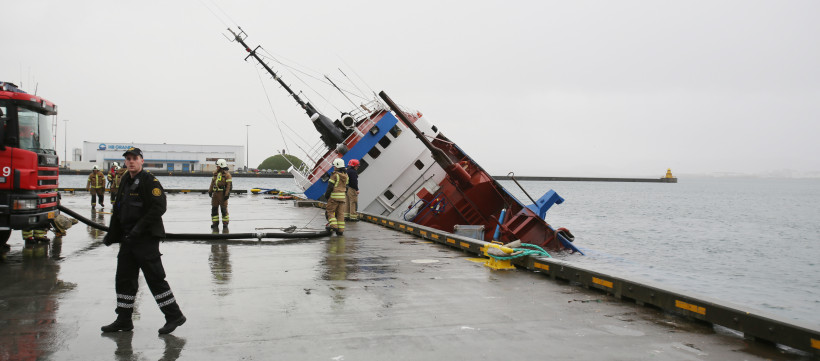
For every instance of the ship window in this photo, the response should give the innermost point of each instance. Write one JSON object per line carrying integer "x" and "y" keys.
{"x": 362, "y": 166}
{"x": 384, "y": 142}
{"x": 435, "y": 130}
{"x": 374, "y": 153}
{"x": 395, "y": 131}
{"x": 389, "y": 195}
{"x": 419, "y": 164}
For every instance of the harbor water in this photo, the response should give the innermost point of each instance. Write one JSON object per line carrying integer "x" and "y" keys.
{"x": 753, "y": 242}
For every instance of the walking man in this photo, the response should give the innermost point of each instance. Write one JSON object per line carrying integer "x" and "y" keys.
{"x": 114, "y": 178}
{"x": 220, "y": 191}
{"x": 136, "y": 224}
{"x": 96, "y": 186}
{"x": 352, "y": 200}
{"x": 335, "y": 195}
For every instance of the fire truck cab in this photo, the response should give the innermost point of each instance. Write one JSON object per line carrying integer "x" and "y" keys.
{"x": 28, "y": 161}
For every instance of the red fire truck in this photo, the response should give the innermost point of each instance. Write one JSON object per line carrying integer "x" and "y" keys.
{"x": 28, "y": 161}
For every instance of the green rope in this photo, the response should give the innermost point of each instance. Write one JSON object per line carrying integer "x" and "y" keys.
{"x": 538, "y": 251}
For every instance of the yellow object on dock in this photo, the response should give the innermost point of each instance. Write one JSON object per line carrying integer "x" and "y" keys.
{"x": 669, "y": 173}
{"x": 498, "y": 249}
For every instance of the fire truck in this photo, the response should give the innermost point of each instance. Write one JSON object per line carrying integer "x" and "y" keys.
{"x": 28, "y": 161}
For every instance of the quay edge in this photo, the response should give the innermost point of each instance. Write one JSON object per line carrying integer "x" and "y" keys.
{"x": 753, "y": 324}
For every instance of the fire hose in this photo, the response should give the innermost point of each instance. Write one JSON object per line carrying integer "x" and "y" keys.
{"x": 212, "y": 236}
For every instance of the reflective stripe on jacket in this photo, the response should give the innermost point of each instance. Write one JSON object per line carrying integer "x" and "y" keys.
{"x": 339, "y": 182}
{"x": 96, "y": 180}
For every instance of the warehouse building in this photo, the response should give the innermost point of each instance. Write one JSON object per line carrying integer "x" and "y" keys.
{"x": 167, "y": 157}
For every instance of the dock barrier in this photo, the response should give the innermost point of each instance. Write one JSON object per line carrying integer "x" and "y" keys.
{"x": 753, "y": 324}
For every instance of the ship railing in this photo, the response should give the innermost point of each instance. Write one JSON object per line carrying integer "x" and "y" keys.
{"x": 316, "y": 154}
{"x": 366, "y": 110}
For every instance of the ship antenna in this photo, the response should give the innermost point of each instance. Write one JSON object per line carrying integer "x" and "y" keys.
{"x": 240, "y": 38}
{"x": 340, "y": 91}
{"x": 351, "y": 82}
{"x": 331, "y": 133}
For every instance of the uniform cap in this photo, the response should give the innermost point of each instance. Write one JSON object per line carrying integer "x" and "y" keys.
{"x": 134, "y": 151}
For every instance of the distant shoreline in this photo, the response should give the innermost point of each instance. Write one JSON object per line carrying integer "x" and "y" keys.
{"x": 504, "y": 177}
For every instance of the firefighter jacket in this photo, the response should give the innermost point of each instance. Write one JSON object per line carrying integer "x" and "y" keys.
{"x": 221, "y": 182}
{"x": 115, "y": 177}
{"x": 137, "y": 215}
{"x": 337, "y": 185}
{"x": 96, "y": 180}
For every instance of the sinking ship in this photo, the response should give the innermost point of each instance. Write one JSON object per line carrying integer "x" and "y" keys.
{"x": 409, "y": 170}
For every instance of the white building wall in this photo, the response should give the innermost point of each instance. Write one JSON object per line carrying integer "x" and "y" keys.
{"x": 174, "y": 157}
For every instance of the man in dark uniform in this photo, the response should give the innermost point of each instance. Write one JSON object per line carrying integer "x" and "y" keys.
{"x": 136, "y": 223}
{"x": 352, "y": 200}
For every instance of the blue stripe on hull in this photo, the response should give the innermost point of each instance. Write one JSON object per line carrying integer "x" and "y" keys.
{"x": 367, "y": 142}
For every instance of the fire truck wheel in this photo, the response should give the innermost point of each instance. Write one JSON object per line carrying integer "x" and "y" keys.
{"x": 4, "y": 237}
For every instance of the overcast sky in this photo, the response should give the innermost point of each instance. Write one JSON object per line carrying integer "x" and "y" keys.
{"x": 552, "y": 88}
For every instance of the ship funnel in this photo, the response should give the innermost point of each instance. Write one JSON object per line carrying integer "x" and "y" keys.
{"x": 331, "y": 135}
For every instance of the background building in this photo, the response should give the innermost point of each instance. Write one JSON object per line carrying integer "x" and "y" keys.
{"x": 168, "y": 157}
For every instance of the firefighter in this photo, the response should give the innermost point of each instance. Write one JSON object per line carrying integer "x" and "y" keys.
{"x": 136, "y": 224}
{"x": 220, "y": 191}
{"x": 352, "y": 199}
{"x": 335, "y": 195}
{"x": 96, "y": 185}
{"x": 114, "y": 178}
{"x": 33, "y": 235}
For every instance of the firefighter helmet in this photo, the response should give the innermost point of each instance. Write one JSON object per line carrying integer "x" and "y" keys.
{"x": 221, "y": 163}
{"x": 353, "y": 163}
{"x": 339, "y": 163}
{"x": 96, "y": 167}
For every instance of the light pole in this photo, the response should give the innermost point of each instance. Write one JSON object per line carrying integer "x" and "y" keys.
{"x": 65, "y": 143}
{"x": 247, "y": 148}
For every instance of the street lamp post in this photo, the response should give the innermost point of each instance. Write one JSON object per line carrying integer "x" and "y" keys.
{"x": 247, "y": 148}
{"x": 65, "y": 143}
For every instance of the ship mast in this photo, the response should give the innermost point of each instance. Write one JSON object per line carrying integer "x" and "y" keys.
{"x": 331, "y": 134}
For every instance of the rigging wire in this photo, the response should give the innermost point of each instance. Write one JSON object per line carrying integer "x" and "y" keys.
{"x": 293, "y": 68}
{"x": 214, "y": 14}
{"x": 360, "y": 78}
{"x": 270, "y": 105}
{"x": 351, "y": 82}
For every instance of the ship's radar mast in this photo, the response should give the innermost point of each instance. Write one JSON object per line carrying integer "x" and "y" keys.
{"x": 331, "y": 134}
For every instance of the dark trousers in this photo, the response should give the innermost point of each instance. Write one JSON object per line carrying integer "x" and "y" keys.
{"x": 126, "y": 284}
{"x": 97, "y": 192}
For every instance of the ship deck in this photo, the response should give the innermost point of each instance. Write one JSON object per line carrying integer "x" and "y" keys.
{"x": 372, "y": 294}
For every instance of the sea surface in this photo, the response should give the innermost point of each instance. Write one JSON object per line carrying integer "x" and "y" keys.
{"x": 754, "y": 242}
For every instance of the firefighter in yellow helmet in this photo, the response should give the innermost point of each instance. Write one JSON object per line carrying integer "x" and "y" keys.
{"x": 335, "y": 195}
{"x": 220, "y": 191}
{"x": 96, "y": 186}
{"x": 114, "y": 179}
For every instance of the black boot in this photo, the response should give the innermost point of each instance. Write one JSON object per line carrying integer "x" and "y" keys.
{"x": 170, "y": 326}
{"x": 215, "y": 225}
{"x": 119, "y": 325}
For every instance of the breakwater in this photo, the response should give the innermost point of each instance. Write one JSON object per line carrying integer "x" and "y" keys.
{"x": 588, "y": 179}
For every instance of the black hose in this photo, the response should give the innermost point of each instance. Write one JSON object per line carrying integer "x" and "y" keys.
{"x": 208, "y": 236}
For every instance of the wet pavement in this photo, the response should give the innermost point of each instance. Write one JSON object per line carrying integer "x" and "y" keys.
{"x": 372, "y": 294}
